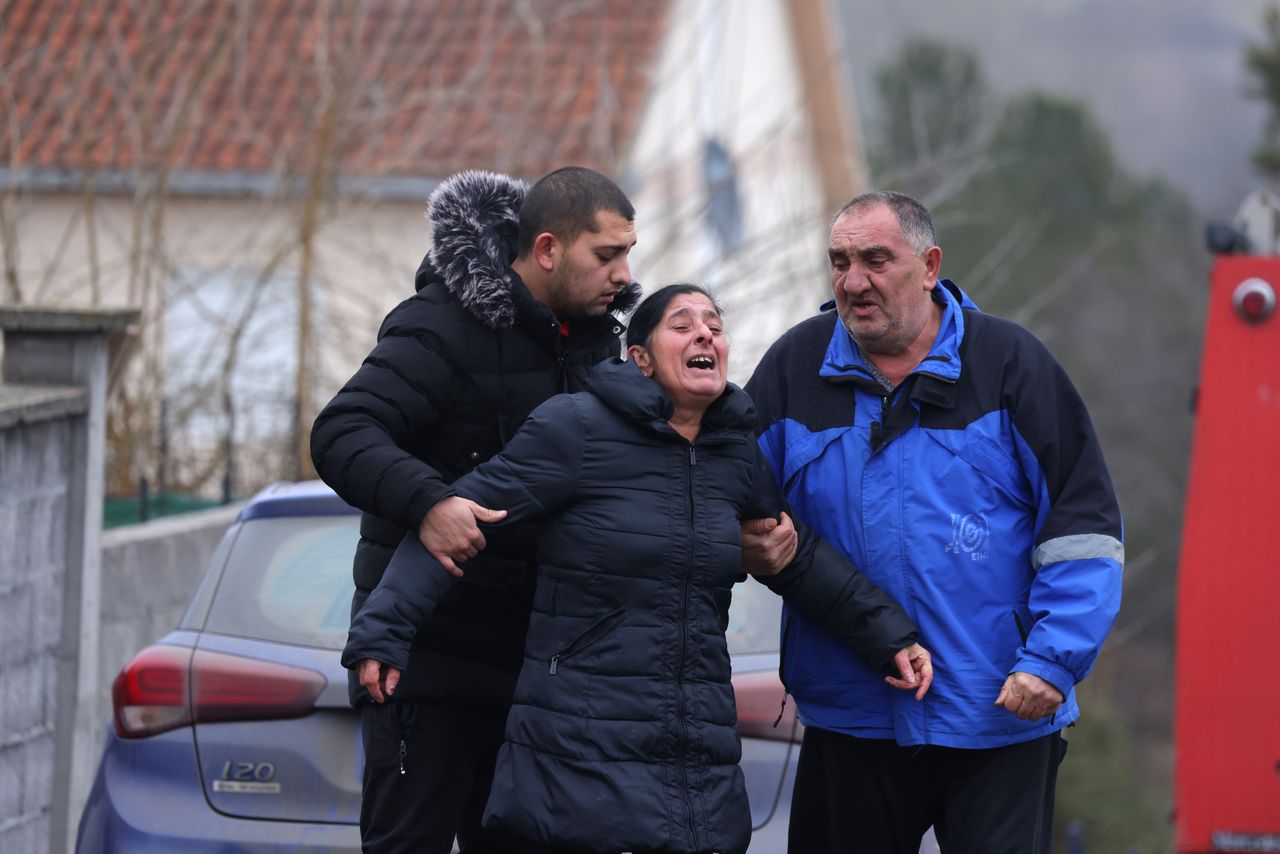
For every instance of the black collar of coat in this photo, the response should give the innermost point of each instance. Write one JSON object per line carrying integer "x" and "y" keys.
{"x": 624, "y": 389}
{"x": 475, "y": 219}
{"x": 541, "y": 323}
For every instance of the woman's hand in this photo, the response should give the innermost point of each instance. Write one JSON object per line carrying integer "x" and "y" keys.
{"x": 768, "y": 545}
{"x": 916, "y": 666}
{"x": 379, "y": 679}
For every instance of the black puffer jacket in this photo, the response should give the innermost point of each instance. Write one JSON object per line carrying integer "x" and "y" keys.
{"x": 456, "y": 370}
{"x": 623, "y": 732}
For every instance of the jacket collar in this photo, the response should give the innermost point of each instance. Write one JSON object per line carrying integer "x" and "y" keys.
{"x": 624, "y": 389}
{"x": 934, "y": 377}
{"x": 475, "y": 219}
{"x": 541, "y": 323}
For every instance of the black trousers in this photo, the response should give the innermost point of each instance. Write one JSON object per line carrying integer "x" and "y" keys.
{"x": 418, "y": 800}
{"x": 870, "y": 796}
{"x": 448, "y": 760}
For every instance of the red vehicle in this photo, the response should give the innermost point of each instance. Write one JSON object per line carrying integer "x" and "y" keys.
{"x": 1227, "y": 713}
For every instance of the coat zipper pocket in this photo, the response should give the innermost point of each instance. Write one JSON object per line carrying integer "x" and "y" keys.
{"x": 402, "y": 717}
{"x": 590, "y": 636}
{"x": 1022, "y": 630}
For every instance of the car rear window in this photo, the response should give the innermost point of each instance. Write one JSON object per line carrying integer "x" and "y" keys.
{"x": 288, "y": 580}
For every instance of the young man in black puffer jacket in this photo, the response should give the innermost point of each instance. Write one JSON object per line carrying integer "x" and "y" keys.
{"x": 513, "y": 306}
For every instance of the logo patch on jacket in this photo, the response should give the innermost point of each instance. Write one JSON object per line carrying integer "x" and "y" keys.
{"x": 969, "y": 533}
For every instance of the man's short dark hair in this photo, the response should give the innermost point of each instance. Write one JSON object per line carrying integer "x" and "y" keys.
{"x": 913, "y": 217}
{"x": 565, "y": 202}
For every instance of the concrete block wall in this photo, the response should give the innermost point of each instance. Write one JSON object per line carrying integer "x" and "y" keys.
{"x": 53, "y": 392}
{"x": 39, "y": 429}
{"x": 75, "y": 603}
{"x": 149, "y": 571}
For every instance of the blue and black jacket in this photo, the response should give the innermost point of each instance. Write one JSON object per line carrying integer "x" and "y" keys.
{"x": 975, "y": 494}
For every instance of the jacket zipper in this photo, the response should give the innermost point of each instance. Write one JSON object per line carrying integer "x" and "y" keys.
{"x": 398, "y": 712}
{"x": 684, "y": 629}
{"x": 561, "y": 374}
{"x": 607, "y": 624}
{"x": 878, "y": 427}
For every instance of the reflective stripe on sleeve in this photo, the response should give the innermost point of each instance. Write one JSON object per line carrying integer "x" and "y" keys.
{"x": 1078, "y": 547}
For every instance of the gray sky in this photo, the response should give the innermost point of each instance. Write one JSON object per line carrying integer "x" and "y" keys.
{"x": 1165, "y": 78}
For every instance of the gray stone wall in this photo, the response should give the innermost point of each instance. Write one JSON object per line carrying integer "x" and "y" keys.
{"x": 148, "y": 573}
{"x": 75, "y": 603}
{"x": 39, "y": 429}
{"x": 53, "y": 421}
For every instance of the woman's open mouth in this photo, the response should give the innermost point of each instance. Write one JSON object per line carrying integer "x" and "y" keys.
{"x": 701, "y": 363}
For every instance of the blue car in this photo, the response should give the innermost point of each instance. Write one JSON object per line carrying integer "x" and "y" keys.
{"x": 232, "y": 733}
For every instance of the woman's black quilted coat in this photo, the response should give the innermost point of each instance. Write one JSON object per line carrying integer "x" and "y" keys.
{"x": 622, "y": 735}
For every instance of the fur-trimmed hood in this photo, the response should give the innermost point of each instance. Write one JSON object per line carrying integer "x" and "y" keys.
{"x": 475, "y": 216}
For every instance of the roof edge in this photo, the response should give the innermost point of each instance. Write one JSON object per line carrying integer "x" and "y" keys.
{"x": 215, "y": 184}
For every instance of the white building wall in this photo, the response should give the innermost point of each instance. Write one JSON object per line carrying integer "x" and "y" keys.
{"x": 366, "y": 255}
{"x": 726, "y": 70}
{"x": 213, "y": 249}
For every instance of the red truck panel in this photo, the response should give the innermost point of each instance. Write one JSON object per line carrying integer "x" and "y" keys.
{"x": 1227, "y": 714}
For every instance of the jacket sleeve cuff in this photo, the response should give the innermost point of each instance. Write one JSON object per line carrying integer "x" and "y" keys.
{"x": 781, "y": 583}
{"x": 395, "y": 656}
{"x": 1058, "y": 677}
{"x": 429, "y": 495}
{"x": 379, "y": 631}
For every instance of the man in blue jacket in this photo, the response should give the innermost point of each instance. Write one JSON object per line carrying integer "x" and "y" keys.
{"x": 946, "y": 453}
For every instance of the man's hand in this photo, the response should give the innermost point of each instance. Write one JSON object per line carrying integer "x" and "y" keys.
{"x": 768, "y": 545}
{"x": 450, "y": 533}
{"x": 916, "y": 666}
{"x": 1029, "y": 697}
{"x": 379, "y": 679}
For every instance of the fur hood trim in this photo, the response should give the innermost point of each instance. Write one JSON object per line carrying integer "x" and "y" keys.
{"x": 475, "y": 217}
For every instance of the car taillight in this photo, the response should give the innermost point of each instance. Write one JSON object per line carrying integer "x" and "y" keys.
{"x": 1254, "y": 300}
{"x": 759, "y": 698}
{"x": 149, "y": 695}
{"x": 165, "y": 687}
{"x": 230, "y": 688}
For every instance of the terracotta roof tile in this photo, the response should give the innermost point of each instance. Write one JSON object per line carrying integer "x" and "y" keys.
{"x": 422, "y": 88}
